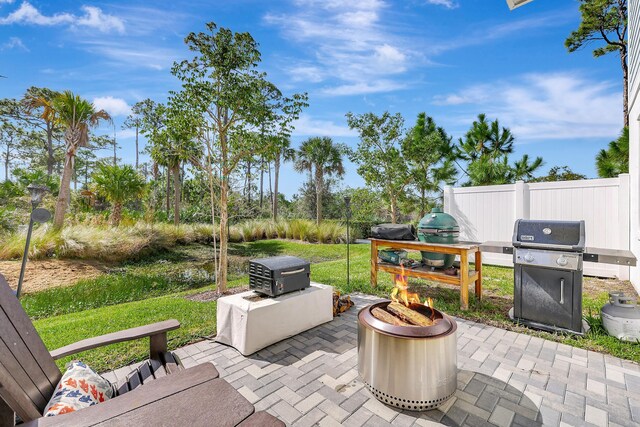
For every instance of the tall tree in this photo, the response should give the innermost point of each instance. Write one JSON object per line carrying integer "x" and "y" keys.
{"x": 486, "y": 148}
{"x": 523, "y": 170}
{"x": 177, "y": 143}
{"x": 283, "y": 153}
{"x": 133, "y": 122}
{"x": 222, "y": 80}
{"x": 428, "y": 150}
{"x": 77, "y": 116}
{"x": 37, "y": 103}
{"x": 615, "y": 159}
{"x": 605, "y": 23}
{"x": 321, "y": 158}
{"x": 152, "y": 122}
{"x": 118, "y": 184}
{"x": 379, "y": 156}
{"x": 10, "y": 139}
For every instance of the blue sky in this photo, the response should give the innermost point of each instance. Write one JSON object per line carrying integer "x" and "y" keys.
{"x": 452, "y": 59}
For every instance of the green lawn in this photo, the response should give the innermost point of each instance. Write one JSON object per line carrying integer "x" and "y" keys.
{"x": 154, "y": 289}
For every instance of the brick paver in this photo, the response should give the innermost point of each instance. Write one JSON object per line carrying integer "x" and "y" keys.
{"x": 504, "y": 378}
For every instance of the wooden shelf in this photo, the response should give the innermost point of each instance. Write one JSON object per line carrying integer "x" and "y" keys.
{"x": 426, "y": 273}
{"x": 464, "y": 277}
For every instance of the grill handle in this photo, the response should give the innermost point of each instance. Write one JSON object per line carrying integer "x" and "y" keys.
{"x": 519, "y": 244}
{"x": 561, "y": 291}
{"x": 289, "y": 273}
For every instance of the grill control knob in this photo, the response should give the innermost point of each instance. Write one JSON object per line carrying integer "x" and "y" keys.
{"x": 528, "y": 257}
{"x": 562, "y": 261}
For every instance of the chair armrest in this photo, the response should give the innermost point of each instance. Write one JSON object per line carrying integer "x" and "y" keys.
{"x": 154, "y": 329}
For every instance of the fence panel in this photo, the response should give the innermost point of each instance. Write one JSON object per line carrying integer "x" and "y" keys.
{"x": 489, "y": 212}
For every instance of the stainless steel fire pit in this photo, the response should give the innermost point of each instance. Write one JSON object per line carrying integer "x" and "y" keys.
{"x": 409, "y": 367}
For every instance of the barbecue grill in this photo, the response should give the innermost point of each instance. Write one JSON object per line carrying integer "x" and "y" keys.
{"x": 548, "y": 257}
{"x": 278, "y": 275}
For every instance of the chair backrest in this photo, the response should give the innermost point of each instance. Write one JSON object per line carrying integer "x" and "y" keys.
{"x": 28, "y": 373}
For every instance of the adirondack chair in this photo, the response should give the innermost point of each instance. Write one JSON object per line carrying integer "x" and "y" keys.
{"x": 159, "y": 392}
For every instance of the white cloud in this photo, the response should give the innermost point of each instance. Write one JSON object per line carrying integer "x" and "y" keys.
{"x": 28, "y": 14}
{"x": 547, "y": 106}
{"x": 449, "y": 4}
{"x": 6, "y": 1}
{"x": 113, "y": 106}
{"x": 307, "y": 126}
{"x": 362, "y": 88}
{"x": 306, "y": 73}
{"x": 133, "y": 53}
{"x": 14, "y": 43}
{"x": 93, "y": 18}
{"x": 349, "y": 42}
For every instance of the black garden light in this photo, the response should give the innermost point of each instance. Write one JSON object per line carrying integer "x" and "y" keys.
{"x": 39, "y": 215}
{"x": 347, "y": 205}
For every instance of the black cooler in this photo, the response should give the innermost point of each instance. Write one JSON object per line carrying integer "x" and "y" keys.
{"x": 278, "y": 275}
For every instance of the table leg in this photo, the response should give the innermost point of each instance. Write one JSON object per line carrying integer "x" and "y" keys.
{"x": 479, "y": 279}
{"x": 374, "y": 264}
{"x": 464, "y": 280}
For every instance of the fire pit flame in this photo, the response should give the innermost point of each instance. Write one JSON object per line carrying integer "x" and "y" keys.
{"x": 400, "y": 292}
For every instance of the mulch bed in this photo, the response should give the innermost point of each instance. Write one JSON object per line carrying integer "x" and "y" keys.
{"x": 209, "y": 296}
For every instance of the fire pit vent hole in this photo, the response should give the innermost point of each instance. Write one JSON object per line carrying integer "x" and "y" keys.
{"x": 411, "y": 405}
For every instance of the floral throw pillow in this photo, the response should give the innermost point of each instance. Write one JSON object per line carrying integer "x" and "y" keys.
{"x": 80, "y": 387}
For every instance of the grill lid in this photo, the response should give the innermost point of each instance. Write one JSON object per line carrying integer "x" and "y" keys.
{"x": 547, "y": 234}
{"x": 444, "y": 325}
{"x": 277, "y": 263}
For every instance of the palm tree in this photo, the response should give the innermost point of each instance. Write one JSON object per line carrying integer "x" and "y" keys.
{"x": 284, "y": 152}
{"x": 320, "y": 157}
{"x": 76, "y": 116}
{"x": 118, "y": 184}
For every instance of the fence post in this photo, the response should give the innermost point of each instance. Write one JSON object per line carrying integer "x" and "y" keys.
{"x": 624, "y": 219}
{"x": 448, "y": 198}
{"x": 522, "y": 200}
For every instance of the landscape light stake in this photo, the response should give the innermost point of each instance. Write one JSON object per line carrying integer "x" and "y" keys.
{"x": 39, "y": 215}
{"x": 347, "y": 204}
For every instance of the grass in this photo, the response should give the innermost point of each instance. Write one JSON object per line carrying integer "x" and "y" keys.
{"x": 125, "y": 243}
{"x": 154, "y": 289}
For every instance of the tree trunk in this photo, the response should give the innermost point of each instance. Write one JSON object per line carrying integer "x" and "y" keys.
{"x": 116, "y": 214}
{"x": 270, "y": 187}
{"x": 65, "y": 191}
{"x": 168, "y": 191}
{"x": 137, "y": 144}
{"x": 319, "y": 188}
{"x": 6, "y": 164}
{"x": 50, "y": 158}
{"x": 423, "y": 208}
{"x": 394, "y": 209}
{"x": 276, "y": 176}
{"x": 261, "y": 181}
{"x": 247, "y": 184}
{"x": 176, "y": 195}
{"x": 224, "y": 237}
{"x": 625, "y": 87}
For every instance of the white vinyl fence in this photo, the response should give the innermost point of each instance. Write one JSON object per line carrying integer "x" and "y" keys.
{"x": 488, "y": 213}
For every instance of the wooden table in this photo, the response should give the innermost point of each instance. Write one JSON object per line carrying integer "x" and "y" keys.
{"x": 463, "y": 279}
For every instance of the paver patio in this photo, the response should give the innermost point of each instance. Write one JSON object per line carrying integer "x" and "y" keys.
{"x": 504, "y": 378}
